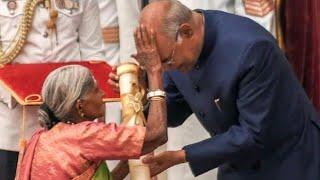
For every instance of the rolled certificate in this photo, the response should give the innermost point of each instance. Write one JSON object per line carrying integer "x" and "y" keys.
{"x": 132, "y": 111}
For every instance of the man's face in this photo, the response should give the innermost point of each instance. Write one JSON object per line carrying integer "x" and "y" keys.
{"x": 166, "y": 49}
{"x": 176, "y": 53}
{"x": 173, "y": 53}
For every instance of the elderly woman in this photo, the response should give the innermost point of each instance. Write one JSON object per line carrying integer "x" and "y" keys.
{"x": 71, "y": 144}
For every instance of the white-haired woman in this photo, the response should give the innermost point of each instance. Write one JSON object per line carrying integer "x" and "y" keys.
{"x": 71, "y": 145}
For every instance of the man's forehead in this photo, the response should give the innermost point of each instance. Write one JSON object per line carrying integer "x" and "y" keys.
{"x": 150, "y": 21}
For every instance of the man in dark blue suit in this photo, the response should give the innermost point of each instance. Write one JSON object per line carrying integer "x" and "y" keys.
{"x": 230, "y": 72}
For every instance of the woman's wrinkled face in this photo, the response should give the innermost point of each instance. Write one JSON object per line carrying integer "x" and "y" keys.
{"x": 92, "y": 105}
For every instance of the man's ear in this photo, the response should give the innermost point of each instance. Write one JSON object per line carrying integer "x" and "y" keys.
{"x": 185, "y": 32}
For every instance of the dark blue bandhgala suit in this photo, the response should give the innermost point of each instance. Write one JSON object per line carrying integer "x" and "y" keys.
{"x": 243, "y": 91}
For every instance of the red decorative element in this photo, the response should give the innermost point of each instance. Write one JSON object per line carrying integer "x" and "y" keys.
{"x": 303, "y": 44}
{"x": 25, "y": 81}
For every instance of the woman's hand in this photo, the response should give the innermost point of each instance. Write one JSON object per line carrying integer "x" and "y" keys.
{"x": 147, "y": 52}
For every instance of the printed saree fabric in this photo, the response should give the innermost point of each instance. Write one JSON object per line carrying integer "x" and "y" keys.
{"x": 76, "y": 151}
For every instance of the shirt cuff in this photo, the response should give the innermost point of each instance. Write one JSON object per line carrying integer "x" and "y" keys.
{"x": 197, "y": 166}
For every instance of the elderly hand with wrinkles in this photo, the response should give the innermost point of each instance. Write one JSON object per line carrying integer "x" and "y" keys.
{"x": 147, "y": 52}
{"x": 147, "y": 56}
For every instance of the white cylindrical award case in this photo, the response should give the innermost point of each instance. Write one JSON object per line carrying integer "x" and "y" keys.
{"x": 132, "y": 111}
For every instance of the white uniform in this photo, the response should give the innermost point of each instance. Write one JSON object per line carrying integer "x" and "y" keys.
{"x": 122, "y": 14}
{"x": 192, "y": 131}
{"x": 234, "y": 7}
{"x": 79, "y": 37}
{"x": 125, "y": 15}
{"x": 268, "y": 21}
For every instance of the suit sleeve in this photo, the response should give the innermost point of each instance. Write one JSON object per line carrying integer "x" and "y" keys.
{"x": 256, "y": 104}
{"x": 178, "y": 109}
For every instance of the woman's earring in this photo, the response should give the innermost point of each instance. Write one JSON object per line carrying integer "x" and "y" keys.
{"x": 80, "y": 112}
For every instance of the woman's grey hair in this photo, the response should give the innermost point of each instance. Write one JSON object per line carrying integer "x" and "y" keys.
{"x": 177, "y": 14}
{"x": 61, "y": 90}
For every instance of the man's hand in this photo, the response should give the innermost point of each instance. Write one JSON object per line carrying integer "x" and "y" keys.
{"x": 258, "y": 8}
{"x": 114, "y": 79}
{"x": 163, "y": 161}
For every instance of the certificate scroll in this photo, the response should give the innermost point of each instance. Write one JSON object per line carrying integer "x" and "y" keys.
{"x": 131, "y": 95}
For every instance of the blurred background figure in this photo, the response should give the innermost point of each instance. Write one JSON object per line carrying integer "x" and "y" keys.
{"x": 119, "y": 18}
{"x": 261, "y": 11}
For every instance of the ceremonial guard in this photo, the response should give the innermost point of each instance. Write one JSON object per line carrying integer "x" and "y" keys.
{"x": 119, "y": 18}
{"x": 40, "y": 31}
{"x": 261, "y": 11}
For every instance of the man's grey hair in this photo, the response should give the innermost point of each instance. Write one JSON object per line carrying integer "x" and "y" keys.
{"x": 176, "y": 15}
{"x": 61, "y": 90}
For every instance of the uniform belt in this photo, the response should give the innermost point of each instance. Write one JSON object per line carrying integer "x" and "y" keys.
{"x": 110, "y": 35}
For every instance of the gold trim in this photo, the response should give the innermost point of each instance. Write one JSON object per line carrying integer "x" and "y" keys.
{"x": 111, "y": 100}
{"x": 96, "y": 62}
{"x": 23, "y": 141}
{"x": 33, "y": 98}
{"x": 20, "y": 101}
{"x": 279, "y": 29}
{"x": 13, "y": 50}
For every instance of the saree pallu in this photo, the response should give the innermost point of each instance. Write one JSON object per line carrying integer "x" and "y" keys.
{"x": 76, "y": 151}
{"x": 302, "y": 34}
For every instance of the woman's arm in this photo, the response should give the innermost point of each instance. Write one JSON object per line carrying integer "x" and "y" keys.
{"x": 156, "y": 133}
{"x": 99, "y": 141}
{"x": 148, "y": 57}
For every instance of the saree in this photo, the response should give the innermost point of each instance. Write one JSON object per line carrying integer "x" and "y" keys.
{"x": 102, "y": 173}
{"x": 77, "y": 151}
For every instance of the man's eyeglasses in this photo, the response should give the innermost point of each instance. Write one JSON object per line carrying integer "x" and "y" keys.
{"x": 170, "y": 59}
